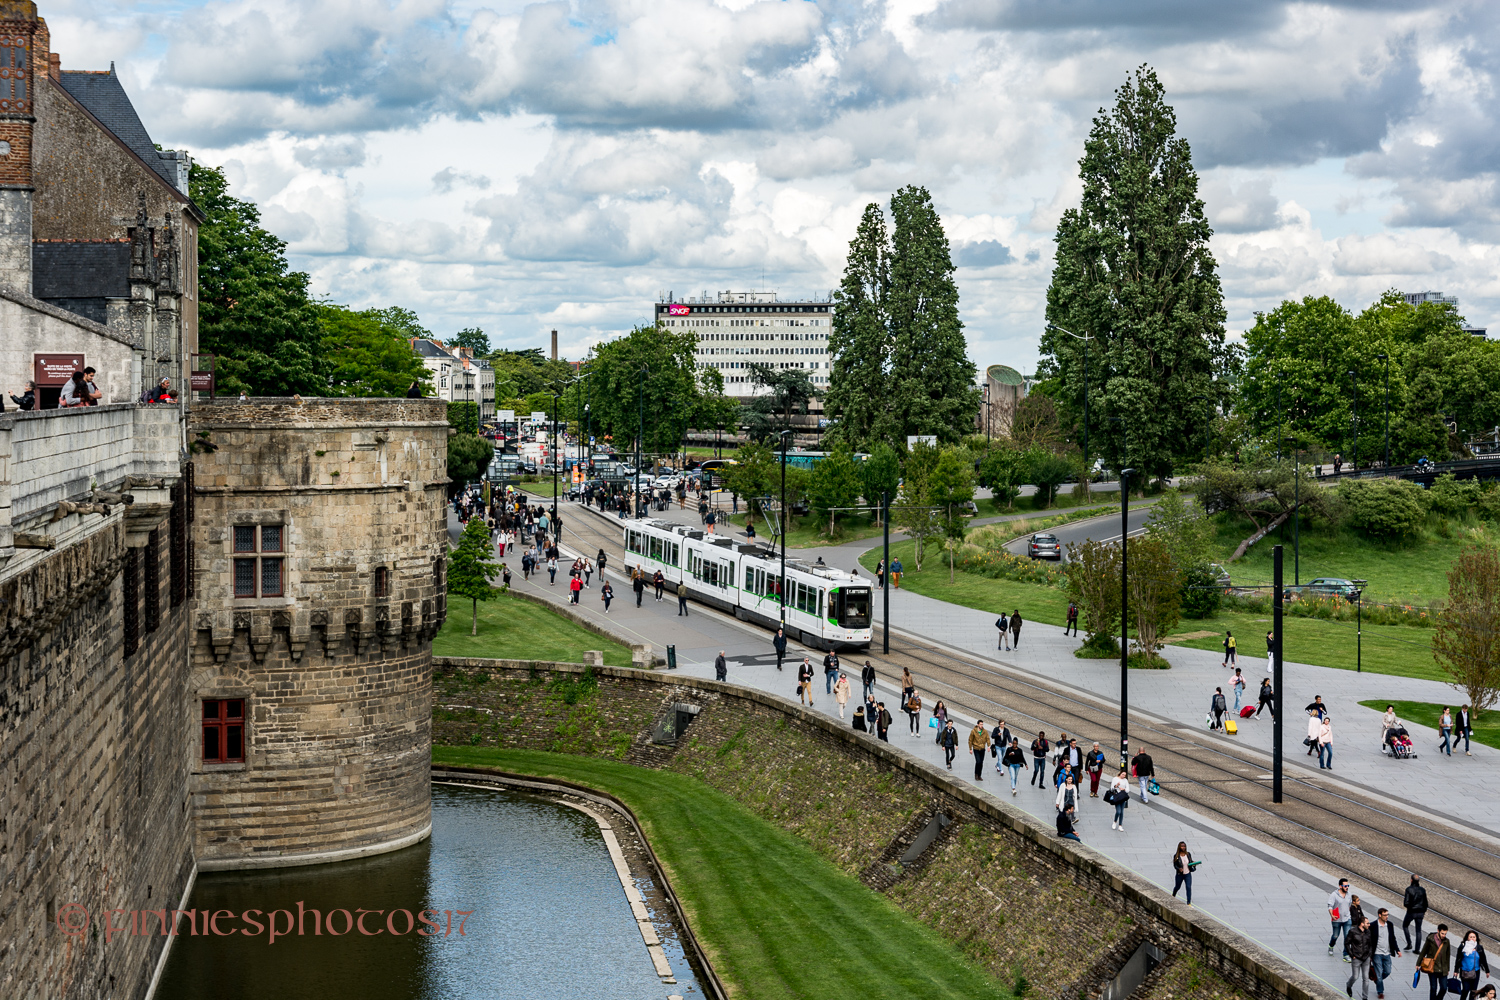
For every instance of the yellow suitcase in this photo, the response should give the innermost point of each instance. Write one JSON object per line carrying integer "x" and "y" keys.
{"x": 1231, "y": 727}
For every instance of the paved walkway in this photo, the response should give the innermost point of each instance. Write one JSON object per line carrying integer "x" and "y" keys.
{"x": 1259, "y": 891}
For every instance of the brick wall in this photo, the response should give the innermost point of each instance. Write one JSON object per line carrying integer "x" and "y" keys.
{"x": 1002, "y": 886}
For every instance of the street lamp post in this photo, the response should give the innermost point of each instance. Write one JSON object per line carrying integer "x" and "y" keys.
{"x": 640, "y": 433}
{"x": 1354, "y": 420}
{"x": 1386, "y": 358}
{"x": 781, "y": 584}
{"x": 1085, "y": 339}
{"x": 1125, "y": 475}
{"x": 1278, "y": 701}
{"x": 556, "y": 458}
{"x": 885, "y": 578}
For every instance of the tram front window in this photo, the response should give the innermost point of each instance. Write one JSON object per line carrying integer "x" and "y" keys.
{"x": 854, "y": 607}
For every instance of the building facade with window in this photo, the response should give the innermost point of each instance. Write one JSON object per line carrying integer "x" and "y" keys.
{"x": 738, "y": 329}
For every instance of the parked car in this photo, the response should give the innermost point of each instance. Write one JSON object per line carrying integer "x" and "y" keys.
{"x": 1329, "y": 586}
{"x": 1042, "y": 546}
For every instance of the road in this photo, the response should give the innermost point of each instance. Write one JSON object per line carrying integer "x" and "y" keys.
{"x": 1104, "y": 529}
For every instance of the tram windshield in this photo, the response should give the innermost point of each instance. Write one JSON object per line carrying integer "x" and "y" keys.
{"x": 854, "y": 607}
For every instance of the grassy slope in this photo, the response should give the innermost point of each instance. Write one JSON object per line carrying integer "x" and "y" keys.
{"x": 1388, "y": 649}
{"x": 1421, "y": 713}
{"x": 1409, "y": 571}
{"x": 510, "y": 628}
{"x": 776, "y": 919}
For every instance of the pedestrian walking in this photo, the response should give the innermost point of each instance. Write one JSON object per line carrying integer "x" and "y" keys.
{"x": 1415, "y": 902}
{"x": 1144, "y": 770}
{"x": 1015, "y": 629}
{"x": 1361, "y": 944}
{"x": 913, "y": 708}
{"x": 1119, "y": 797}
{"x": 1183, "y": 866}
{"x": 948, "y": 739}
{"x": 883, "y": 722}
{"x": 896, "y": 573}
{"x": 907, "y": 684}
{"x": 1267, "y": 699}
{"x": 1013, "y": 760}
{"x": 660, "y": 581}
{"x": 551, "y": 572}
{"x": 1314, "y": 730}
{"x": 1003, "y": 625}
{"x": 778, "y": 643}
{"x": 1067, "y": 798}
{"x": 1463, "y": 728}
{"x": 682, "y": 599}
{"x": 804, "y": 682}
{"x": 1237, "y": 685}
{"x": 1039, "y": 748}
{"x": 880, "y": 575}
{"x": 979, "y": 743}
{"x": 1468, "y": 962}
{"x": 588, "y": 572}
{"x": 1338, "y": 915}
{"x": 1383, "y": 936}
{"x": 1270, "y": 653}
{"x": 1435, "y": 959}
{"x": 872, "y": 710}
{"x": 1325, "y": 743}
{"x": 505, "y": 575}
{"x": 606, "y": 594}
{"x": 638, "y": 584}
{"x": 601, "y": 560}
{"x": 999, "y": 739}
{"x": 1072, "y": 622}
{"x": 867, "y": 679}
{"x": 830, "y": 670}
{"x": 940, "y": 713}
{"x": 1228, "y": 648}
{"x": 1093, "y": 763}
{"x": 575, "y": 585}
{"x": 841, "y": 691}
{"x": 1217, "y": 707}
{"x": 1445, "y": 727}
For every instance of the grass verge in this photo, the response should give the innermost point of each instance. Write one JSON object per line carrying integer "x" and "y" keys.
{"x": 1426, "y": 713}
{"x": 513, "y": 629}
{"x": 811, "y": 532}
{"x": 776, "y": 919}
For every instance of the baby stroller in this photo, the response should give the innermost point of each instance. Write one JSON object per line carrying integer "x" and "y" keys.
{"x": 1398, "y": 743}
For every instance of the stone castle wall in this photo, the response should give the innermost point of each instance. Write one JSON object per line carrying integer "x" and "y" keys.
{"x": 996, "y": 881}
{"x": 336, "y": 671}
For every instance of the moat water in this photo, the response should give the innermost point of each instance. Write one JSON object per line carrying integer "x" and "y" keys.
{"x": 549, "y": 918}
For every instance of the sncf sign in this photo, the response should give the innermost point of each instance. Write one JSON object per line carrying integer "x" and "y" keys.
{"x": 676, "y": 310}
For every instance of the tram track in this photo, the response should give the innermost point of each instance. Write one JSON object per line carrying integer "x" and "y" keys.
{"x": 1378, "y": 843}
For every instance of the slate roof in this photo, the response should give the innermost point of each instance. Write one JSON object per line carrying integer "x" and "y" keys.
{"x": 93, "y": 270}
{"x": 106, "y": 100}
{"x": 427, "y": 349}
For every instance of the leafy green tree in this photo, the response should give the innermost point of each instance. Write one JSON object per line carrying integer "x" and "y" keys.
{"x": 880, "y": 474}
{"x": 1202, "y": 593}
{"x": 1466, "y": 642}
{"x": 668, "y": 393}
{"x": 754, "y": 475}
{"x": 1180, "y": 525}
{"x": 1450, "y": 495}
{"x": 834, "y": 483}
{"x": 1094, "y": 582}
{"x": 859, "y": 341}
{"x": 1154, "y": 584}
{"x": 473, "y": 338}
{"x": 365, "y": 357}
{"x": 1134, "y": 271}
{"x": 951, "y": 490}
{"x": 464, "y": 417}
{"x": 790, "y": 391}
{"x": 470, "y": 567}
{"x": 1036, "y": 425}
{"x": 1047, "y": 472}
{"x": 469, "y": 456}
{"x": 932, "y": 378}
{"x": 1002, "y": 471}
{"x": 1384, "y": 508}
{"x": 914, "y": 512}
{"x": 254, "y": 312}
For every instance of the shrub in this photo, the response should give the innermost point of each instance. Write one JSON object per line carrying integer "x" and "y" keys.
{"x": 1201, "y": 594}
{"x": 1451, "y": 495}
{"x": 1384, "y": 508}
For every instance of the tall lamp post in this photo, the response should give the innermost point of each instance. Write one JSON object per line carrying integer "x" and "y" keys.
{"x": 1278, "y": 701}
{"x": 1125, "y": 475}
{"x": 640, "y": 433}
{"x": 1085, "y": 339}
{"x": 1386, "y": 358}
{"x": 781, "y": 584}
{"x": 1354, "y": 420}
{"x": 556, "y": 459}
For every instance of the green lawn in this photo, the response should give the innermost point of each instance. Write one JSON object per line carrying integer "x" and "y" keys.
{"x": 1387, "y": 649}
{"x": 810, "y": 532}
{"x": 1408, "y": 571}
{"x": 513, "y": 629}
{"x": 776, "y": 919}
{"x": 1486, "y": 724}
{"x": 544, "y": 489}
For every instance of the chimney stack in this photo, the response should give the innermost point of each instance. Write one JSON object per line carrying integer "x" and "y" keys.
{"x": 554, "y": 345}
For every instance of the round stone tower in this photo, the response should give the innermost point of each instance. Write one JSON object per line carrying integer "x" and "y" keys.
{"x": 318, "y": 545}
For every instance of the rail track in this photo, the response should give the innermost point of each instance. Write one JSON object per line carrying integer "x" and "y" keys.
{"x": 1377, "y": 842}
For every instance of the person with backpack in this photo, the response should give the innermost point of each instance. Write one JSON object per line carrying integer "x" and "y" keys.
{"x": 1013, "y": 759}
{"x": 1415, "y": 902}
{"x": 1183, "y": 865}
{"x": 1003, "y": 624}
{"x": 1144, "y": 770}
{"x": 948, "y": 738}
{"x": 1039, "y": 748}
{"x": 1217, "y": 707}
{"x": 1072, "y": 622}
{"x": 1228, "y": 649}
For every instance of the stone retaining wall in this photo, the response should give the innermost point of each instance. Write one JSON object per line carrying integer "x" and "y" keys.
{"x": 1018, "y": 900}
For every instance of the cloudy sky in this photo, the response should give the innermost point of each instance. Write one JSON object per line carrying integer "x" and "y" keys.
{"x": 527, "y": 165}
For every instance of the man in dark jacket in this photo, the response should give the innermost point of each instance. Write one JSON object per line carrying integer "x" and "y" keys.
{"x": 1383, "y": 934}
{"x": 1144, "y": 770}
{"x": 778, "y": 642}
{"x": 1415, "y": 901}
{"x": 830, "y": 670}
{"x": 1039, "y": 748}
{"x": 1463, "y": 726}
{"x": 721, "y": 667}
{"x": 949, "y": 740}
{"x": 639, "y": 586}
{"x": 882, "y": 722}
{"x": 999, "y": 740}
{"x": 867, "y": 678}
{"x": 682, "y": 598}
{"x": 659, "y": 581}
{"x": 27, "y": 400}
{"x": 1015, "y": 629}
{"x": 804, "y": 681}
{"x": 1361, "y": 944}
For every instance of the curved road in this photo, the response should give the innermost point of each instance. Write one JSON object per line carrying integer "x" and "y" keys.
{"x": 1104, "y": 529}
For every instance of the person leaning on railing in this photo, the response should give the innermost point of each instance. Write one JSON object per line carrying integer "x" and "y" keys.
{"x": 162, "y": 393}
{"x": 27, "y": 399}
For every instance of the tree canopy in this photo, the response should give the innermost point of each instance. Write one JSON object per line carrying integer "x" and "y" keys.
{"x": 649, "y": 379}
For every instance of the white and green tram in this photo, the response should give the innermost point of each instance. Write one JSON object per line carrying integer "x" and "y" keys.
{"x": 825, "y": 608}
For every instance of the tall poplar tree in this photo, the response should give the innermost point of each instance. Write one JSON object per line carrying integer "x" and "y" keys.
{"x": 859, "y": 342}
{"x": 932, "y": 379}
{"x": 1134, "y": 270}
